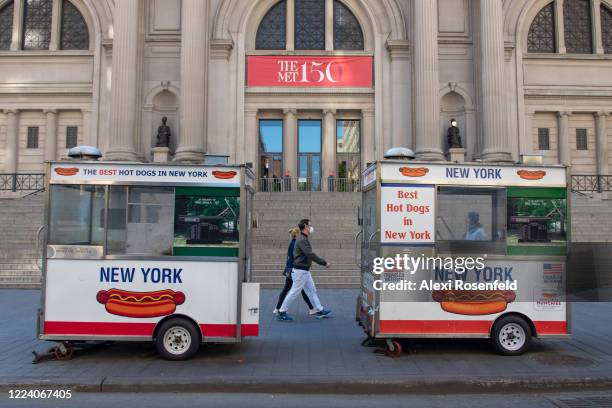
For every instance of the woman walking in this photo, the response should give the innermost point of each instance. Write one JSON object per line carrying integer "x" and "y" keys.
{"x": 294, "y": 232}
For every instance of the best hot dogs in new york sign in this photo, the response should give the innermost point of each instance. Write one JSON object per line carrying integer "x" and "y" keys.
{"x": 111, "y": 172}
{"x": 407, "y": 214}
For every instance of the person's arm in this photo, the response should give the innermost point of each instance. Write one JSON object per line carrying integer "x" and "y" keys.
{"x": 289, "y": 263}
{"x": 307, "y": 250}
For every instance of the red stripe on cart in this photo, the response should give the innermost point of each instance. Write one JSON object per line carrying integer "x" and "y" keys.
{"x": 460, "y": 327}
{"x": 138, "y": 329}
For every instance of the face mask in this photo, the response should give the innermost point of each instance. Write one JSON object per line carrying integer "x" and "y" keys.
{"x": 311, "y": 230}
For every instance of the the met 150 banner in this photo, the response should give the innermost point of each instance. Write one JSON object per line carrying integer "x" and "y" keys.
{"x": 288, "y": 71}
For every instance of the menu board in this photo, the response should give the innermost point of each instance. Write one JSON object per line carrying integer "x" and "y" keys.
{"x": 407, "y": 214}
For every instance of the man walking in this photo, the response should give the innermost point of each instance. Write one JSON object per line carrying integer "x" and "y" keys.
{"x": 302, "y": 279}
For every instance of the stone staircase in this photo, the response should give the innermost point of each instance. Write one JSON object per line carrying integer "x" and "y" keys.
{"x": 20, "y": 219}
{"x": 591, "y": 218}
{"x": 334, "y": 217}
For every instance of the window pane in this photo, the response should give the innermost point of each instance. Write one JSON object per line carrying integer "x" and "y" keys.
{"x": 148, "y": 227}
{"x": 309, "y": 24}
{"x": 72, "y": 135}
{"x": 271, "y": 136}
{"x": 348, "y": 134}
{"x": 272, "y": 31}
{"x": 541, "y": 36}
{"x": 577, "y": 22}
{"x": 606, "y": 28}
{"x": 32, "y": 137}
{"x": 309, "y": 135}
{"x": 75, "y": 35}
{"x": 581, "y": 139}
{"x": 543, "y": 139}
{"x": 471, "y": 220}
{"x": 77, "y": 215}
{"x": 6, "y": 26}
{"x": 347, "y": 31}
{"x": 206, "y": 222}
{"x": 37, "y": 24}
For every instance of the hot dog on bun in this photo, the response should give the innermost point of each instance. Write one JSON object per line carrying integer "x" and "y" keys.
{"x": 140, "y": 304}
{"x": 414, "y": 171}
{"x": 531, "y": 174}
{"x": 224, "y": 175}
{"x": 474, "y": 302}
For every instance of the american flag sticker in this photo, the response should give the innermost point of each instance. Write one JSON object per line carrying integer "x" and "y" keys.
{"x": 553, "y": 272}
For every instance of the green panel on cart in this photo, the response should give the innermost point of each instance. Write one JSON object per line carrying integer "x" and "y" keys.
{"x": 537, "y": 250}
{"x": 208, "y": 191}
{"x": 205, "y": 251}
{"x": 530, "y": 192}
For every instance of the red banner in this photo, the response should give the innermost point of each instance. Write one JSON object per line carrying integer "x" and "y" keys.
{"x": 290, "y": 71}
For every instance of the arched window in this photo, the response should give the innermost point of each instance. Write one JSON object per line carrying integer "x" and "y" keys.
{"x": 75, "y": 35}
{"x": 6, "y": 26}
{"x": 347, "y": 31}
{"x": 577, "y": 23}
{"x": 310, "y": 24}
{"x": 271, "y": 34}
{"x": 37, "y": 24}
{"x": 606, "y": 29}
{"x": 541, "y": 37}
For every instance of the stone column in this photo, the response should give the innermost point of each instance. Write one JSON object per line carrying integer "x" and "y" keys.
{"x": 51, "y": 135}
{"x": 426, "y": 81}
{"x": 290, "y": 148}
{"x": 601, "y": 142}
{"x": 251, "y": 140}
{"x": 399, "y": 51}
{"x": 11, "y": 153}
{"x": 124, "y": 86}
{"x": 560, "y": 27}
{"x": 368, "y": 135}
{"x": 563, "y": 146}
{"x": 194, "y": 81}
{"x": 496, "y": 146}
{"x": 329, "y": 146}
{"x": 290, "y": 35}
{"x": 56, "y": 26}
{"x": 17, "y": 35}
{"x": 87, "y": 131}
{"x": 329, "y": 25}
{"x": 527, "y": 141}
{"x": 596, "y": 4}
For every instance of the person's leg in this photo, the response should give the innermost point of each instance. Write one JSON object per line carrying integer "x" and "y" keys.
{"x": 306, "y": 299}
{"x": 299, "y": 280}
{"x": 311, "y": 291}
{"x": 283, "y": 294}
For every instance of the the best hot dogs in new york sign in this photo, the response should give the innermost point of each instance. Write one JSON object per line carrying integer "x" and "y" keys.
{"x": 407, "y": 214}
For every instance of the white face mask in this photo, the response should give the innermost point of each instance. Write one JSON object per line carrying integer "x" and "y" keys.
{"x": 311, "y": 230}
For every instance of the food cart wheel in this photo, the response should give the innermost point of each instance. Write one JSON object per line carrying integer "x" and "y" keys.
{"x": 511, "y": 335}
{"x": 177, "y": 339}
{"x": 394, "y": 348}
{"x": 63, "y": 351}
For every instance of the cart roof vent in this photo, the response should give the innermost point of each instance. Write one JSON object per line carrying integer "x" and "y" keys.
{"x": 85, "y": 153}
{"x": 402, "y": 153}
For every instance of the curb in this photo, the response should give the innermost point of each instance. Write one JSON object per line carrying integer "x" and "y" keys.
{"x": 313, "y": 385}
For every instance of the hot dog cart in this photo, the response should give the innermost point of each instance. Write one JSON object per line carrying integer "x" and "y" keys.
{"x": 492, "y": 242}
{"x": 148, "y": 252}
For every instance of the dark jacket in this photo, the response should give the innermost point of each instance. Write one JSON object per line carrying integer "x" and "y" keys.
{"x": 303, "y": 255}
{"x": 289, "y": 263}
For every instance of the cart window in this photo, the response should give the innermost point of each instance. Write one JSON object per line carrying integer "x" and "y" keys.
{"x": 537, "y": 221}
{"x": 471, "y": 220}
{"x": 76, "y": 215}
{"x": 140, "y": 220}
{"x": 206, "y": 222}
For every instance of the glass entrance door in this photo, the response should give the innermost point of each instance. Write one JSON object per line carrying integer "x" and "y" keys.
{"x": 309, "y": 155}
{"x": 270, "y": 154}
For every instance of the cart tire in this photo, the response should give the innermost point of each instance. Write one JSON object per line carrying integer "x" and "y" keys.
{"x": 511, "y": 336}
{"x": 63, "y": 352}
{"x": 177, "y": 339}
{"x": 394, "y": 348}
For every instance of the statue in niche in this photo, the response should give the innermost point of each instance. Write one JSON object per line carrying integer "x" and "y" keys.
{"x": 163, "y": 134}
{"x": 453, "y": 136}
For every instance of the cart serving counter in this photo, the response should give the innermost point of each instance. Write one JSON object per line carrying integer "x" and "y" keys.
{"x": 464, "y": 250}
{"x": 148, "y": 252}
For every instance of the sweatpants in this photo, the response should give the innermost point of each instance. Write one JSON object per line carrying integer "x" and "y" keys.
{"x": 301, "y": 280}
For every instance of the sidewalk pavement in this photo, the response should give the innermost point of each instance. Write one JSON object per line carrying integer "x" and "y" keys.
{"x": 311, "y": 356}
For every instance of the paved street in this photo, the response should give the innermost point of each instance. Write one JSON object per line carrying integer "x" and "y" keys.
{"x": 326, "y": 353}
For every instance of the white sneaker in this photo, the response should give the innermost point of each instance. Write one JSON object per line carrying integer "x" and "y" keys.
{"x": 313, "y": 312}
{"x": 275, "y": 312}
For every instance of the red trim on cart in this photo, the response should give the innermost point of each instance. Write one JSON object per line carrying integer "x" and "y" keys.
{"x": 459, "y": 327}
{"x": 139, "y": 329}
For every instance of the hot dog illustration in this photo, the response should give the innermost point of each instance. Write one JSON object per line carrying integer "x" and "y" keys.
{"x": 140, "y": 304}
{"x": 531, "y": 174}
{"x": 224, "y": 175}
{"x": 66, "y": 171}
{"x": 414, "y": 171}
{"x": 474, "y": 302}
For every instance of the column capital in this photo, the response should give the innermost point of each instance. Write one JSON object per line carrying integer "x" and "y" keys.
{"x": 46, "y": 111}
{"x": 11, "y": 111}
{"x": 602, "y": 114}
{"x": 564, "y": 113}
{"x": 290, "y": 111}
{"x": 329, "y": 111}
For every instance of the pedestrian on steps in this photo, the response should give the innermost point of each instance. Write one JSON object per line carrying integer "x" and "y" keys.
{"x": 293, "y": 232}
{"x": 303, "y": 257}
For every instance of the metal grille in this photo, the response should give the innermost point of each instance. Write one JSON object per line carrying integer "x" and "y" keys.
{"x": 581, "y": 139}
{"x": 591, "y": 183}
{"x": 6, "y": 26}
{"x": 37, "y": 24}
{"x": 577, "y": 20}
{"x": 271, "y": 34}
{"x": 75, "y": 35}
{"x": 543, "y": 139}
{"x": 541, "y": 37}
{"x": 606, "y": 29}
{"x": 347, "y": 31}
{"x": 22, "y": 182}
{"x": 32, "y": 137}
{"x": 72, "y": 133}
{"x": 310, "y": 24}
